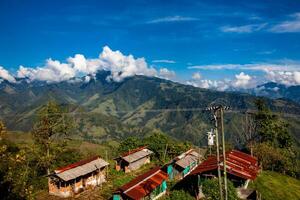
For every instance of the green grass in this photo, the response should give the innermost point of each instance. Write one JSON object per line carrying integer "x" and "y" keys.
{"x": 273, "y": 186}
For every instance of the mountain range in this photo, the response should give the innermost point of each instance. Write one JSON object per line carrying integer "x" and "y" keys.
{"x": 276, "y": 91}
{"x": 105, "y": 110}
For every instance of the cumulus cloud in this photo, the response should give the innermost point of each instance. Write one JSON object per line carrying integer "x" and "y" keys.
{"x": 242, "y": 80}
{"x": 284, "y": 77}
{"x": 53, "y": 71}
{"x": 121, "y": 66}
{"x": 5, "y": 75}
{"x": 289, "y": 26}
{"x": 196, "y": 76}
{"x": 167, "y": 74}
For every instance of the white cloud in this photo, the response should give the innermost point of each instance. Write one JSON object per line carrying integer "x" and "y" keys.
{"x": 242, "y": 80}
{"x": 220, "y": 85}
{"x": 196, "y": 76}
{"x": 4, "y": 74}
{"x": 167, "y": 74}
{"x": 124, "y": 66}
{"x": 121, "y": 66}
{"x": 243, "y": 29}
{"x": 284, "y": 77}
{"x": 53, "y": 71}
{"x": 164, "y": 61}
{"x": 176, "y": 18}
{"x": 281, "y": 65}
{"x": 288, "y": 26}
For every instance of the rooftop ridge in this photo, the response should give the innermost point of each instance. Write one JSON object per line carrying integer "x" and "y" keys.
{"x": 76, "y": 164}
{"x": 133, "y": 151}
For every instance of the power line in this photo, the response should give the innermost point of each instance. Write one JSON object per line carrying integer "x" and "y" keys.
{"x": 243, "y": 111}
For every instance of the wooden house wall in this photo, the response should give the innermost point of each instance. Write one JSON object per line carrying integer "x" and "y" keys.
{"x": 69, "y": 188}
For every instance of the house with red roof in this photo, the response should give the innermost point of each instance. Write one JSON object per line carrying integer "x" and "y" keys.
{"x": 240, "y": 168}
{"x": 133, "y": 159}
{"x": 74, "y": 178}
{"x": 150, "y": 185}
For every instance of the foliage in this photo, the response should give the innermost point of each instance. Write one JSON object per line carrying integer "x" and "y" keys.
{"x": 278, "y": 159}
{"x": 210, "y": 188}
{"x": 16, "y": 170}
{"x": 274, "y": 149}
{"x": 162, "y": 145}
{"x": 275, "y": 186}
{"x": 178, "y": 195}
{"x": 129, "y": 144}
{"x": 52, "y": 124}
{"x": 270, "y": 128}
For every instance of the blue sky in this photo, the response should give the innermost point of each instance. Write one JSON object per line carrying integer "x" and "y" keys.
{"x": 213, "y": 40}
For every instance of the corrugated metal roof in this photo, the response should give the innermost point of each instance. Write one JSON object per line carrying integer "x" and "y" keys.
{"x": 187, "y": 158}
{"x": 80, "y": 168}
{"x": 144, "y": 184}
{"x": 137, "y": 155}
{"x": 238, "y": 164}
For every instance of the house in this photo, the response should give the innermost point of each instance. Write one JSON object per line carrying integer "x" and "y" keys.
{"x": 74, "y": 178}
{"x": 133, "y": 159}
{"x": 183, "y": 164}
{"x": 150, "y": 185}
{"x": 240, "y": 168}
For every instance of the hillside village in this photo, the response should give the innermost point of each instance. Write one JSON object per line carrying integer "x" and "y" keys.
{"x": 188, "y": 169}
{"x": 153, "y": 167}
{"x": 149, "y": 100}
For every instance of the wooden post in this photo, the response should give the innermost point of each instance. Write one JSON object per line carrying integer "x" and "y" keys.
{"x": 224, "y": 152}
{"x": 218, "y": 161}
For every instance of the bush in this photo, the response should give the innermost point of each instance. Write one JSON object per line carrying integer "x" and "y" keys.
{"x": 179, "y": 195}
{"x": 210, "y": 188}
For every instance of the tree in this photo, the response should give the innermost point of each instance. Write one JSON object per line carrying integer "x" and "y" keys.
{"x": 52, "y": 126}
{"x": 270, "y": 128}
{"x": 2, "y": 130}
{"x": 277, "y": 159}
{"x": 210, "y": 188}
{"x": 128, "y": 144}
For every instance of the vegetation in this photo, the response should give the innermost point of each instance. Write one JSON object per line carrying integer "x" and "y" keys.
{"x": 275, "y": 186}
{"x": 116, "y": 110}
{"x": 274, "y": 146}
{"x": 178, "y": 195}
{"x": 162, "y": 145}
{"x": 52, "y": 124}
{"x": 210, "y": 188}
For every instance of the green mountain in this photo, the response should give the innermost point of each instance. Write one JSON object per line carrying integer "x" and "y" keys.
{"x": 106, "y": 110}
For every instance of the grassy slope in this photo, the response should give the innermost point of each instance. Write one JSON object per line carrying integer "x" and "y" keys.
{"x": 273, "y": 186}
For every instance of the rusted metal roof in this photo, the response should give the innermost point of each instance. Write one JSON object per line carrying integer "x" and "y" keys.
{"x": 80, "y": 168}
{"x": 144, "y": 184}
{"x": 137, "y": 155}
{"x": 237, "y": 163}
{"x": 187, "y": 158}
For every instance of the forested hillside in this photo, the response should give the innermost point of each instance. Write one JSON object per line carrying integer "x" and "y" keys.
{"x": 106, "y": 110}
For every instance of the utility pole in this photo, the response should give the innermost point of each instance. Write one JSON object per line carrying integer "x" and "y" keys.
{"x": 224, "y": 153}
{"x": 220, "y": 109}
{"x": 218, "y": 156}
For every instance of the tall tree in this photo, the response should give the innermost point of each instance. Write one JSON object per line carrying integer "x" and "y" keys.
{"x": 49, "y": 132}
{"x": 270, "y": 127}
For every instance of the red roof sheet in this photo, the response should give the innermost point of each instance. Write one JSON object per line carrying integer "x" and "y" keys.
{"x": 238, "y": 163}
{"x": 144, "y": 184}
{"x": 73, "y": 165}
